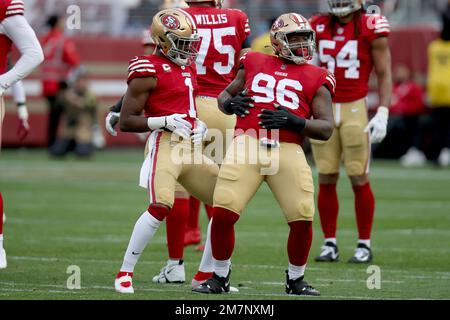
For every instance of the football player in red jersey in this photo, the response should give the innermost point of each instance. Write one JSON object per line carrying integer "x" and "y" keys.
{"x": 164, "y": 85}
{"x": 350, "y": 44}
{"x": 224, "y": 34}
{"x": 284, "y": 99}
{"x": 14, "y": 29}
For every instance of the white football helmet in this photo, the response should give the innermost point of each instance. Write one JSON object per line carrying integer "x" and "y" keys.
{"x": 341, "y": 8}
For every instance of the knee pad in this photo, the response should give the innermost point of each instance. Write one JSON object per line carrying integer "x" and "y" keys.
{"x": 354, "y": 141}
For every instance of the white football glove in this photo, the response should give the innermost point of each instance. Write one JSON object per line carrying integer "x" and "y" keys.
{"x": 378, "y": 125}
{"x": 199, "y": 132}
{"x": 2, "y": 90}
{"x": 112, "y": 119}
{"x": 24, "y": 126}
{"x": 174, "y": 123}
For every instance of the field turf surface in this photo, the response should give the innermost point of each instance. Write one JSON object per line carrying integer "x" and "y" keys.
{"x": 70, "y": 212}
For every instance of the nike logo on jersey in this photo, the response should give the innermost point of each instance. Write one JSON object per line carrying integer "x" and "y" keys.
{"x": 355, "y": 110}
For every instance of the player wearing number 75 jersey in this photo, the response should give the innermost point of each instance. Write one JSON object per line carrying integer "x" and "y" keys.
{"x": 163, "y": 85}
{"x": 350, "y": 44}
{"x": 285, "y": 98}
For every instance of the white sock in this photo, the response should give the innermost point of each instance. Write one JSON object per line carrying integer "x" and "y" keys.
{"x": 296, "y": 272}
{"x": 144, "y": 229}
{"x": 172, "y": 262}
{"x": 366, "y": 242}
{"x": 222, "y": 267}
{"x": 1, "y": 241}
{"x": 207, "y": 262}
{"x": 332, "y": 240}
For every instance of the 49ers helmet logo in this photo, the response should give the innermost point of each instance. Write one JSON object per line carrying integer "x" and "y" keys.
{"x": 171, "y": 22}
{"x": 278, "y": 25}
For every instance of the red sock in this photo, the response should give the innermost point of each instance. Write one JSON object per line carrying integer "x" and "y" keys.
{"x": 222, "y": 233}
{"x": 299, "y": 242}
{"x": 194, "y": 213}
{"x": 209, "y": 211}
{"x": 365, "y": 209}
{"x": 176, "y": 224}
{"x": 328, "y": 206}
{"x": 1, "y": 213}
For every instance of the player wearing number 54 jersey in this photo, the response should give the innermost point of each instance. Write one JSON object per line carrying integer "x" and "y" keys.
{"x": 284, "y": 99}
{"x": 163, "y": 85}
{"x": 350, "y": 44}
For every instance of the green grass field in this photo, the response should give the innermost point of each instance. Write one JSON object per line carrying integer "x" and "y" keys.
{"x": 62, "y": 213}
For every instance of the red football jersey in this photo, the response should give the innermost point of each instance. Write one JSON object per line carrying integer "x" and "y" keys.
{"x": 347, "y": 53}
{"x": 175, "y": 90}
{"x": 271, "y": 80}
{"x": 223, "y": 32}
{"x": 8, "y": 8}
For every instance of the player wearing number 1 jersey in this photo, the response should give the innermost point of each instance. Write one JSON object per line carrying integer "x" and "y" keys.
{"x": 278, "y": 100}
{"x": 163, "y": 85}
{"x": 350, "y": 44}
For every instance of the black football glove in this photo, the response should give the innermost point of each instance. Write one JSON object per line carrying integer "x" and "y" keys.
{"x": 281, "y": 119}
{"x": 239, "y": 105}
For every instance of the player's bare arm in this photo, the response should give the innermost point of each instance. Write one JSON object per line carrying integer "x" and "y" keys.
{"x": 321, "y": 127}
{"x": 137, "y": 93}
{"x": 232, "y": 100}
{"x": 382, "y": 62}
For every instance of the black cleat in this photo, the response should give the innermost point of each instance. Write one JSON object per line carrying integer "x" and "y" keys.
{"x": 214, "y": 285}
{"x": 299, "y": 287}
{"x": 363, "y": 254}
{"x": 329, "y": 253}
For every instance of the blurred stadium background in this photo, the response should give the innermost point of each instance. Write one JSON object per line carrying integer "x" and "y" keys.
{"x": 114, "y": 29}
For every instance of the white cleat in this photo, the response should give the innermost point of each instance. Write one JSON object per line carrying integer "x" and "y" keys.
{"x": 3, "y": 262}
{"x": 124, "y": 284}
{"x": 171, "y": 273}
{"x": 413, "y": 158}
{"x": 444, "y": 158}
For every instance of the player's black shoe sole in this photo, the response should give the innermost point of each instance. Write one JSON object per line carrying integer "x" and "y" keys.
{"x": 214, "y": 285}
{"x": 299, "y": 287}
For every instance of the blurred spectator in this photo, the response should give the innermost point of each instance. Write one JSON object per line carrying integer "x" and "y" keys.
{"x": 262, "y": 43}
{"x": 439, "y": 92}
{"x": 61, "y": 58}
{"x": 404, "y": 132}
{"x": 80, "y": 117}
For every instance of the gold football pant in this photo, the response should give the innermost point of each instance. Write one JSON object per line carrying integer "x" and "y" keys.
{"x": 247, "y": 164}
{"x": 170, "y": 161}
{"x": 349, "y": 143}
{"x": 219, "y": 125}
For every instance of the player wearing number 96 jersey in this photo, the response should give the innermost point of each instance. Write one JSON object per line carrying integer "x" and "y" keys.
{"x": 163, "y": 86}
{"x": 278, "y": 99}
{"x": 350, "y": 44}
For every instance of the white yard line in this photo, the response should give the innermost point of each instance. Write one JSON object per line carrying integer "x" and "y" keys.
{"x": 407, "y": 274}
